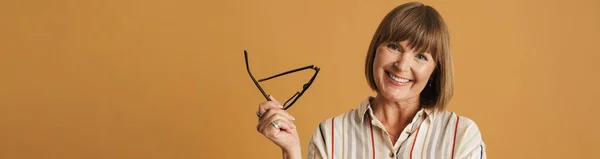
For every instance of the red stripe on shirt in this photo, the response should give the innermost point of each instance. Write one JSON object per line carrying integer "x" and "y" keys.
{"x": 372, "y": 138}
{"x": 332, "y": 137}
{"x": 455, "y": 130}
{"x": 415, "y": 141}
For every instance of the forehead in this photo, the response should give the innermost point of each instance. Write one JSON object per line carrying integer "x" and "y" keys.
{"x": 405, "y": 46}
{"x": 419, "y": 30}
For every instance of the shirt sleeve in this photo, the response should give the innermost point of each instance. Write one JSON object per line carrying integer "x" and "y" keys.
{"x": 477, "y": 153}
{"x": 316, "y": 146}
{"x": 470, "y": 144}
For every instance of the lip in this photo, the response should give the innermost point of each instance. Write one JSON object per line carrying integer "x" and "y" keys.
{"x": 394, "y": 82}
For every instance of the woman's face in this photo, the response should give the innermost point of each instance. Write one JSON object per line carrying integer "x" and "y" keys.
{"x": 401, "y": 73}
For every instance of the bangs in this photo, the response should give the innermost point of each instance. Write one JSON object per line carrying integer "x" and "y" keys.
{"x": 419, "y": 26}
{"x": 424, "y": 30}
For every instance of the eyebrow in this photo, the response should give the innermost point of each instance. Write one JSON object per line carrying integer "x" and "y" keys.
{"x": 415, "y": 50}
{"x": 400, "y": 47}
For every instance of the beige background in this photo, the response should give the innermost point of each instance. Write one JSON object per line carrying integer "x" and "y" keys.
{"x": 166, "y": 79}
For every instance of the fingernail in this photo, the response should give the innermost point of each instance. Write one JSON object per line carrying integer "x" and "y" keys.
{"x": 293, "y": 126}
{"x": 291, "y": 117}
{"x": 281, "y": 106}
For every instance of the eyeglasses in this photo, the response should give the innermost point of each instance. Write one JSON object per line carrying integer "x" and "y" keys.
{"x": 295, "y": 97}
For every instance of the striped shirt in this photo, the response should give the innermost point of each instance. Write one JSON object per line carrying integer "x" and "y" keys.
{"x": 358, "y": 134}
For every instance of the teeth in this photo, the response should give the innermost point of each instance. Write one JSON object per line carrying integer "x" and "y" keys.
{"x": 398, "y": 79}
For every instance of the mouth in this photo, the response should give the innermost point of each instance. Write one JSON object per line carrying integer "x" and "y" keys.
{"x": 397, "y": 78}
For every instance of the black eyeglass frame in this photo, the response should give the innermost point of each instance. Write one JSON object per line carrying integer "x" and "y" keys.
{"x": 295, "y": 96}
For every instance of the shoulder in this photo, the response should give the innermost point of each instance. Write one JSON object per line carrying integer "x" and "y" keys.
{"x": 452, "y": 119}
{"x": 350, "y": 117}
{"x": 464, "y": 130}
{"x": 328, "y": 130}
{"x": 341, "y": 123}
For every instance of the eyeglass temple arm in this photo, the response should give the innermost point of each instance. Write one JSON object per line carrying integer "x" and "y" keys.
{"x": 286, "y": 102}
{"x": 304, "y": 88}
{"x": 288, "y": 72}
{"x": 254, "y": 80}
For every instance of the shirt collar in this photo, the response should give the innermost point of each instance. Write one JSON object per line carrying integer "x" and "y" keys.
{"x": 365, "y": 107}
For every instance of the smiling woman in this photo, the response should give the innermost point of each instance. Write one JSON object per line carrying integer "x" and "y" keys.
{"x": 163, "y": 79}
{"x": 409, "y": 65}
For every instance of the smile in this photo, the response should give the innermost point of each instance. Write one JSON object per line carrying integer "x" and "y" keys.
{"x": 398, "y": 79}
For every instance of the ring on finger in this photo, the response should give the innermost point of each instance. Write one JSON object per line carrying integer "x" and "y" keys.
{"x": 276, "y": 124}
{"x": 258, "y": 115}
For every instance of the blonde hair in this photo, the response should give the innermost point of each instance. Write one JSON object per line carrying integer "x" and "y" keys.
{"x": 425, "y": 30}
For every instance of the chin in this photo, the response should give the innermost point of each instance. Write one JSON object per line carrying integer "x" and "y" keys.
{"x": 395, "y": 96}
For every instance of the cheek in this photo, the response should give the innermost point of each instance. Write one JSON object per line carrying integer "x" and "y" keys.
{"x": 382, "y": 59}
{"x": 423, "y": 73}
{"x": 377, "y": 70}
{"x": 378, "y": 62}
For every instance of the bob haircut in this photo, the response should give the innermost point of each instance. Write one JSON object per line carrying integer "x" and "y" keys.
{"x": 425, "y": 31}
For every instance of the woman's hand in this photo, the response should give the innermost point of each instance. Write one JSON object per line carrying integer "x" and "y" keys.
{"x": 272, "y": 116}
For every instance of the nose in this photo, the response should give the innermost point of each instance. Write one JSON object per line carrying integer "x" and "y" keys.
{"x": 403, "y": 63}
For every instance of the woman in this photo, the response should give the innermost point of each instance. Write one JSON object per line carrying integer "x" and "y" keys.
{"x": 409, "y": 65}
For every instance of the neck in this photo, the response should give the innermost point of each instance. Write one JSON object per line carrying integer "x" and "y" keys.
{"x": 395, "y": 113}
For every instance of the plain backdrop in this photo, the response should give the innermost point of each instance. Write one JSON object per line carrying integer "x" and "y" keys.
{"x": 165, "y": 79}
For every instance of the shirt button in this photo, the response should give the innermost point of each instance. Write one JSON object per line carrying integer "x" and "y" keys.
{"x": 408, "y": 131}
{"x": 392, "y": 154}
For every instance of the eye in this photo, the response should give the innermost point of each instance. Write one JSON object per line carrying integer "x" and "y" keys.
{"x": 393, "y": 47}
{"x": 421, "y": 57}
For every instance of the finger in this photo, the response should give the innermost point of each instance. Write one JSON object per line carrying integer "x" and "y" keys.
{"x": 286, "y": 126}
{"x": 264, "y": 106}
{"x": 270, "y": 131}
{"x": 274, "y": 111}
{"x": 267, "y": 122}
{"x": 264, "y": 122}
